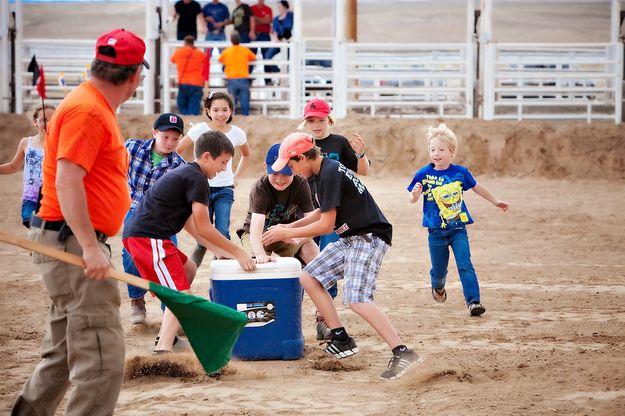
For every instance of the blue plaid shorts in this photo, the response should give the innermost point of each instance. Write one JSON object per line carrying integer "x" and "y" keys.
{"x": 357, "y": 260}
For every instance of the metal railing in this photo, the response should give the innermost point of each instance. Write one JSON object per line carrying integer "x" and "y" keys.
{"x": 553, "y": 81}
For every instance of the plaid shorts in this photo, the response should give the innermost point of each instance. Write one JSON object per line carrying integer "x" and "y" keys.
{"x": 357, "y": 260}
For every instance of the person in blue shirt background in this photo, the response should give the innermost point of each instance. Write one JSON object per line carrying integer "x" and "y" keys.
{"x": 445, "y": 215}
{"x": 217, "y": 17}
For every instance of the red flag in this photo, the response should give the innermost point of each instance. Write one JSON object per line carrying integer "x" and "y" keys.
{"x": 41, "y": 83}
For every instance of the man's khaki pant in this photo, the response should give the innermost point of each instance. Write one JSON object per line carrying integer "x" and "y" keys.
{"x": 84, "y": 343}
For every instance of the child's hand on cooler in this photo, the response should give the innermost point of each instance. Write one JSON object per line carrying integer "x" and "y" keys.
{"x": 263, "y": 258}
{"x": 357, "y": 143}
{"x": 246, "y": 262}
{"x": 503, "y": 205}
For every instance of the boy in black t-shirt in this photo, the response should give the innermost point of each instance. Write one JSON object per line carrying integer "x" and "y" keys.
{"x": 345, "y": 206}
{"x": 179, "y": 200}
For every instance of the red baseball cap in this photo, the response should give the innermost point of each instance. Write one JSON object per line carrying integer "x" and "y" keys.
{"x": 317, "y": 108}
{"x": 129, "y": 48}
{"x": 293, "y": 145}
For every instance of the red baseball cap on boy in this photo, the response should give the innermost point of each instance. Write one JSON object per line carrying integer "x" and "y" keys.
{"x": 317, "y": 108}
{"x": 129, "y": 48}
{"x": 293, "y": 145}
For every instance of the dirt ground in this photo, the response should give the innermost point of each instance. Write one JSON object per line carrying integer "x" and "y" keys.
{"x": 551, "y": 270}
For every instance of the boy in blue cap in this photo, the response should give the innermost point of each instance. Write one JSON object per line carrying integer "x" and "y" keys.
{"x": 279, "y": 197}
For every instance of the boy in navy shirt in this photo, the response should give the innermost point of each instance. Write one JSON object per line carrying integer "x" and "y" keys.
{"x": 346, "y": 207}
{"x": 446, "y": 215}
{"x": 180, "y": 200}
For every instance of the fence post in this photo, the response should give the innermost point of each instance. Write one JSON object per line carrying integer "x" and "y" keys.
{"x": 19, "y": 68}
{"x": 166, "y": 96}
{"x": 489, "y": 81}
{"x": 295, "y": 79}
{"x": 618, "y": 83}
{"x": 151, "y": 34}
{"x": 469, "y": 63}
{"x": 339, "y": 67}
{"x": 5, "y": 69}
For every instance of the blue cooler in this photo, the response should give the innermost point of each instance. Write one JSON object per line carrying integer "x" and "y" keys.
{"x": 271, "y": 297}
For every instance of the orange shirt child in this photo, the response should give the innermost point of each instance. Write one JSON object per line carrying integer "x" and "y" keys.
{"x": 236, "y": 60}
{"x": 84, "y": 130}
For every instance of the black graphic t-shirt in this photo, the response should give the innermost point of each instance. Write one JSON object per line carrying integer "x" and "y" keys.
{"x": 356, "y": 211}
{"x": 337, "y": 147}
{"x": 166, "y": 206}
{"x": 278, "y": 207}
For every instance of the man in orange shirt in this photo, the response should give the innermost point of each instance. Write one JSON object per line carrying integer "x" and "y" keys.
{"x": 85, "y": 198}
{"x": 190, "y": 62}
{"x": 236, "y": 60}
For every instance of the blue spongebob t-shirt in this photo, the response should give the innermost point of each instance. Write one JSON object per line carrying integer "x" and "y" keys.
{"x": 443, "y": 202}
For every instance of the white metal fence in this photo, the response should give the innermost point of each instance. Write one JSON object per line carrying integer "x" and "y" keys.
{"x": 66, "y": 64}
{"x": 418, "y": 80}
{"x": 553, "y": 81}
{"x": 520, "y": 81}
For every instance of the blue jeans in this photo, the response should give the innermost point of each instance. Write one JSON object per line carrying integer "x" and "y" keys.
{"x": 239, "y": 89}
{"x": 188, "y": 100}
{"x": 135, "y": 292}
{"x": 28, "y": 207}
{"x": 219, "y": 207}
{"x": 439, "y": 241}
{"x": 267, "y": 54}
{"x": 215, "y": 37}
{"x": 324, "y": 240}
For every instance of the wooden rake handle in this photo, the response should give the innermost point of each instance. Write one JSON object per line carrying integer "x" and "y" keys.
{"x": 69, "y": 258}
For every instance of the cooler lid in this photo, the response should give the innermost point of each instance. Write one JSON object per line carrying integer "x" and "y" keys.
{"x": 282, "y": 268}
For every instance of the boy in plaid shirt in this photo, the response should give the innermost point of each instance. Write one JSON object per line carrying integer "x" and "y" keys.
{"x": 149, "y": 160}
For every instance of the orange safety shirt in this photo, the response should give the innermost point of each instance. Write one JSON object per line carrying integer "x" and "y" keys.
{"x": 84, "y": 130}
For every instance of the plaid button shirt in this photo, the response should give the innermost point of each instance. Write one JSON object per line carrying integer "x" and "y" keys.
{"x": 141, "y": 173}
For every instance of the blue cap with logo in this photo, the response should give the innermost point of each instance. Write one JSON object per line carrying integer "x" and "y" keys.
{"x": 272, "y": 156}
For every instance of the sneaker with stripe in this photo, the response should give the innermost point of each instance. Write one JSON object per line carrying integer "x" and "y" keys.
{"x": 400, "y": 364}
{"x": 341, "y": 348}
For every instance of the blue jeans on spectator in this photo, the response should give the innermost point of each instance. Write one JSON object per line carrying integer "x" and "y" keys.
{"x": 28, "y": 207}
{"x": 188, "y": 100}
{"x": 239, "y": 89}
{"x": 215, "y": 37}
{"x": 219, "y": 207}
{"x": 439, "y": 241}
{"x": 325, "y": 240}
{"x": 135, "y": 292}
{"x": 264, "y": 37}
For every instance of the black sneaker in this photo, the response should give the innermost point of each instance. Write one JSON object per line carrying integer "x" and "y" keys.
{"x": 476, "y": 309}
{"x": 400, "y": 364}
{"x": 341, "y": 349}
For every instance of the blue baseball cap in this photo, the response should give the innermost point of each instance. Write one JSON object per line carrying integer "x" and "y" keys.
{"x": 272, "y": 156}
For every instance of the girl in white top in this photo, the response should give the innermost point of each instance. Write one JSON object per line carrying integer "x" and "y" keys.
{"x": 219, "y": 108}
{"x": 30, "y": 152}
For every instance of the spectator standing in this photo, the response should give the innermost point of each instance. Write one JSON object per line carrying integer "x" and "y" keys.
{"x": 243, "y": 21}
{"x": 263, "y": 17}
{"x": 190, "y": 63}
{"x": 85, "y": 198}
{"x": 236, "y": 59}
{"x": 187, "y": 12}
{"x": 217, "y": 16}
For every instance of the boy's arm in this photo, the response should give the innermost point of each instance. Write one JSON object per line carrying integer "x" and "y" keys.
{"x": 184, "y": 144}
{"x": 16, "y": 163}
{"x": 324, "y": 225}
{"x": 256, "y": 233}
{"x": 208, "y": 232}
{"x": 485, "y": 193}
{"x": 417, "y": 190}
{"x": 309, "y": 218}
